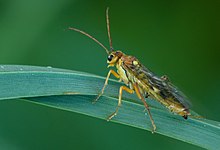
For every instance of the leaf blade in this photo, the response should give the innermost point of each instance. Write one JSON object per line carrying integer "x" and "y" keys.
{"x": 203, "y": 133}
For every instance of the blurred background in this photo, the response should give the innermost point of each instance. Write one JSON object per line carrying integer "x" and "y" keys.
{"x": 176, "y": 38}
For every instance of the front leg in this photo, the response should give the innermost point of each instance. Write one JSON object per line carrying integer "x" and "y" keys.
{"x": 106, "y": 83}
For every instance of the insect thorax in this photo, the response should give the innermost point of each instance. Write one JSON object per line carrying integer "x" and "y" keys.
{"x": 122, "y": 72}
{"x": 126, "y": 76}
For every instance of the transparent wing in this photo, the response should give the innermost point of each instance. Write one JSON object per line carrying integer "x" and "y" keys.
{"x": 180, "y": 96}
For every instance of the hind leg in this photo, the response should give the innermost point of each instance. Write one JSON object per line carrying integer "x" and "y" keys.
{"x": 140, "y": 96}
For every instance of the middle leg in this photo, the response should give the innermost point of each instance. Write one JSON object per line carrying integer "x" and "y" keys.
{"x": 119, "y": 100}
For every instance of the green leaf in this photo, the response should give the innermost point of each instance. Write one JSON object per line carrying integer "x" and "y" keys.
{"x": 51, "y": 87}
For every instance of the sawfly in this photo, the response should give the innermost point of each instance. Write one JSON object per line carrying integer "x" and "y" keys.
{"x": 140, "y": 80}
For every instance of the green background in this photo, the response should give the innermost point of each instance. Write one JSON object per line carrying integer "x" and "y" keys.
{"x": 176, "y": 38}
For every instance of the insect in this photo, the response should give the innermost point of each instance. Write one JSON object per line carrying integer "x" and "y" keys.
{"x": 140, "y": 80}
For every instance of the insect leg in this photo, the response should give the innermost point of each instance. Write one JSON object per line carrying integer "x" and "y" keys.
{"x": 140, "y": 96}
{"x": 106, "y": 83}
{"x": 119, "y": 100}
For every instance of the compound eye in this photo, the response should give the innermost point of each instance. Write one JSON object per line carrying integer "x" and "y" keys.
{"x": 110, "y": 57}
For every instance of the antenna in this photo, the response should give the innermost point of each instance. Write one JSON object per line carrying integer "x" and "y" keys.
{"x": 91, "y": 37}
{"x": 108, "y": 29}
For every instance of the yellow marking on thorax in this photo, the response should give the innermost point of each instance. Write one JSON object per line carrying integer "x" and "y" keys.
{"x": 121, "y": 72}
{"x": 135, "y": 62}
